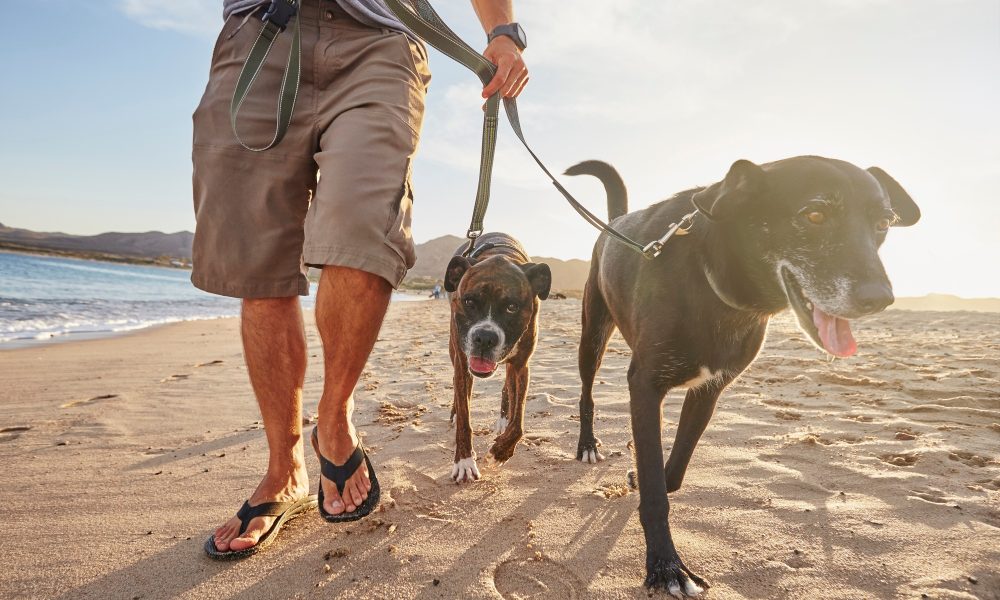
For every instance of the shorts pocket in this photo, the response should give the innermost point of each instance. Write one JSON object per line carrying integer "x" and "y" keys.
{"x": 398, "y": 235}
{"x": 415, "y": 58}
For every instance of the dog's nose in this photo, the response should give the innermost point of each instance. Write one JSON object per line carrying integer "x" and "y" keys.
{"x": 484, "y": 340}
{"x": 873, "y": 297}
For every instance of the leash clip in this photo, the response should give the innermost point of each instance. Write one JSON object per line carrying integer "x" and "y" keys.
{"x": 280, "y": 13}
{"x": 653, "y": 249}
{"x": 473, "y": 235}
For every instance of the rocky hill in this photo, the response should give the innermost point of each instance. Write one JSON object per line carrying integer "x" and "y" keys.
{"x": 149, "y": 244}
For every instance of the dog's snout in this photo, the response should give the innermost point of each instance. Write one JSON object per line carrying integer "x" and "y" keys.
{"x": 873, "y": 297}
{"x": 484, "y": 340}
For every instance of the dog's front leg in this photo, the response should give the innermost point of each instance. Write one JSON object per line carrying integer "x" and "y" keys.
{"x": 699, "y": 404}
{"x": 518, "y": 375}
{"x": 664, "y": 568}
{"x": 464, "y": 467}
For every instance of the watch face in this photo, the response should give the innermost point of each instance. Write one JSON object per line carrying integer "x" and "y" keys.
{"x": 522, "y": 38}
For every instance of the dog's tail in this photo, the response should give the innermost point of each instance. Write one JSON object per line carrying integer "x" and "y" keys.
{"x": 613, "y": 184}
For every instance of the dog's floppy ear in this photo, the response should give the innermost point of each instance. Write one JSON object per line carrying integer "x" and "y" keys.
{"x": 719, "y": 200}
{"x": 904, "y": 206}
{"x": 456, "y": 269}
{"x": 540, "y": 277}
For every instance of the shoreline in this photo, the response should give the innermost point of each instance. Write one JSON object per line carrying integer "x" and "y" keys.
{"x": 87, "y": 336}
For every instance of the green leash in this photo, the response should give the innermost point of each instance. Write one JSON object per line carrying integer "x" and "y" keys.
{"x": 421, "y": 18}
{"x": 275, "y": 21}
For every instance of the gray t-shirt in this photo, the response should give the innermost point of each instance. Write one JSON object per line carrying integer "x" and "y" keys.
{"x": 369, "y": 12}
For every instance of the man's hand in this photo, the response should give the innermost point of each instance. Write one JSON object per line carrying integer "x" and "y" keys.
{"x": 512, "y": 74}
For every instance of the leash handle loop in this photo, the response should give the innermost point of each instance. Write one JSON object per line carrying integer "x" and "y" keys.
{"x": 275, "y": 20}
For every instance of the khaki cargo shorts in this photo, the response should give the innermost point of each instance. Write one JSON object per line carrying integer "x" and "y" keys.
{"x": 336, "y": 190}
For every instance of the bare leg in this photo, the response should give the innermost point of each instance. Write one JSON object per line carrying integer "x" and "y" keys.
{"x": 350, "y": 306}
{"x": 274, "y": 347}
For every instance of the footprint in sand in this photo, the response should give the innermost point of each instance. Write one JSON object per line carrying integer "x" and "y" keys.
{"x": 900, "y": 460}
{"x": 970, "y": 459}
{"x": 73, "y": 403}
{"x": 9, "y": 434}
{"x": 537, "y": 577}
{"x": 175, "y": 377}
{"x": 932, "y": 495}
{"x": 787, "y": 415}
{"x": 211, "y": 363}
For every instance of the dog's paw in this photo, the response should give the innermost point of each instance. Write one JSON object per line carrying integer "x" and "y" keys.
{"x": 632, "y": 479}
{"x": 465, "y": 470}
{"x": 500, "y": 453}
{"x": 586, "y": 451}
{"x": 500, "y": 426}
{"x": 675, "y": 578}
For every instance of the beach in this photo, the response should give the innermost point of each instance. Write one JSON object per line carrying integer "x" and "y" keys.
{"x": 872, "y": 477}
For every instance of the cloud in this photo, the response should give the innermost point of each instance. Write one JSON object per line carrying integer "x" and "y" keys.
{"x": 192, "y": 17}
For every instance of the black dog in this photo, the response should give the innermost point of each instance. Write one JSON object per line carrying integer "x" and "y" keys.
{"x": 802, "y": 232}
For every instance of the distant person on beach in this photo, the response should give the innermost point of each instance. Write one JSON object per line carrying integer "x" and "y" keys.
{"x": 264, "y": 217}
{"x": 436, "y": 292}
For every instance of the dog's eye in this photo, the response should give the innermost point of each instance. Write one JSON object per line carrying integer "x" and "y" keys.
{"x": 816, "y": 217}
{"x": 883, "y": 224}
{"x": 468, "y": 302}
{"x": 512, "y": 308}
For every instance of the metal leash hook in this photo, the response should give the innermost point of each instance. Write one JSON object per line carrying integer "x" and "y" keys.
{"x": 473, "y": 235}
{"x": 653, "y": 249}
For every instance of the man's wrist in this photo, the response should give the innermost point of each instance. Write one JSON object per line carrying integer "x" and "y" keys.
{"x": 513, "y": 31}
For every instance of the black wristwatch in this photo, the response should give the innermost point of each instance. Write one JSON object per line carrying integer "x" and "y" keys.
{"x": 511, "y": 30}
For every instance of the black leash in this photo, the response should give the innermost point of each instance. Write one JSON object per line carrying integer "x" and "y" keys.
{"x": 421, "y": 18}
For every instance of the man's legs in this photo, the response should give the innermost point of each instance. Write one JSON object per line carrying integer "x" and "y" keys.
{"x": 274, "y": 347}
{"x": 350, "y": 306}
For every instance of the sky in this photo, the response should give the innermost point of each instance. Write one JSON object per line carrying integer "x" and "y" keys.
{"x": 95, "y": 115}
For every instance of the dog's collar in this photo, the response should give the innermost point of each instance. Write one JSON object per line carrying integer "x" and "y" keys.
{"x": 475, "y": 252}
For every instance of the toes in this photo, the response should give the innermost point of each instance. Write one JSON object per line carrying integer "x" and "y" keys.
{"x": 500, "y": 425}
{"x": 355, "y": 496}
{"x": 252, "y": 535}
{"x": 590, "y": 456}
{"x": 674, "y": 589}
{"x": 692, "y": 589}
{"x": 333, "y": 504}
{"x": 465, "y": 470}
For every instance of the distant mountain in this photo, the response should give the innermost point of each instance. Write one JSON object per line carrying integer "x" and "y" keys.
{"x": 149, "y": 244}
{"x": 568, "y": 276}
{"x": 433, "y": 257}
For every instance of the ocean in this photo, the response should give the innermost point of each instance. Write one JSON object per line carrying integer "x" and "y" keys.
{"x": 47, "y": 298}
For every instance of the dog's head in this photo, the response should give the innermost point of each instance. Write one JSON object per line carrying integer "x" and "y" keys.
{"x": 816, "y": 225}
{"x": 492, "y": 303}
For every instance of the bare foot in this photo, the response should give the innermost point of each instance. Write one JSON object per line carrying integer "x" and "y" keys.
{"x": 337, "y": 443}
{"x": 273, "y": 488}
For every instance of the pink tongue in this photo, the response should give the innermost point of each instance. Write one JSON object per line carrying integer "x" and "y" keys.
{"x": 481, "y": 365}
{"x": 835, "y": 333}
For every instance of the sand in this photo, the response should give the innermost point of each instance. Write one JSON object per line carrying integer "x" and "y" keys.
{"x": 874, "y": 477}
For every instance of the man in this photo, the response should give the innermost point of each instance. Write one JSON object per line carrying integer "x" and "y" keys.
{"x": 264, "y": 217}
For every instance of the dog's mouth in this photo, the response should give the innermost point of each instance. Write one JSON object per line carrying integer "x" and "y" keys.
{"x": 482, "y": 367}
{"x": 829, "y": 332}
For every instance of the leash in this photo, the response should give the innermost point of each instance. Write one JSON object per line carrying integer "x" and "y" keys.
{"x": 421, "y": 18}
{"x": 276, "y": 19}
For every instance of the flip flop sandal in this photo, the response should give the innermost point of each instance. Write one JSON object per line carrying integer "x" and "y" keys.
{"x": 285, "y": 511}
{"x": 339, "y": 474}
